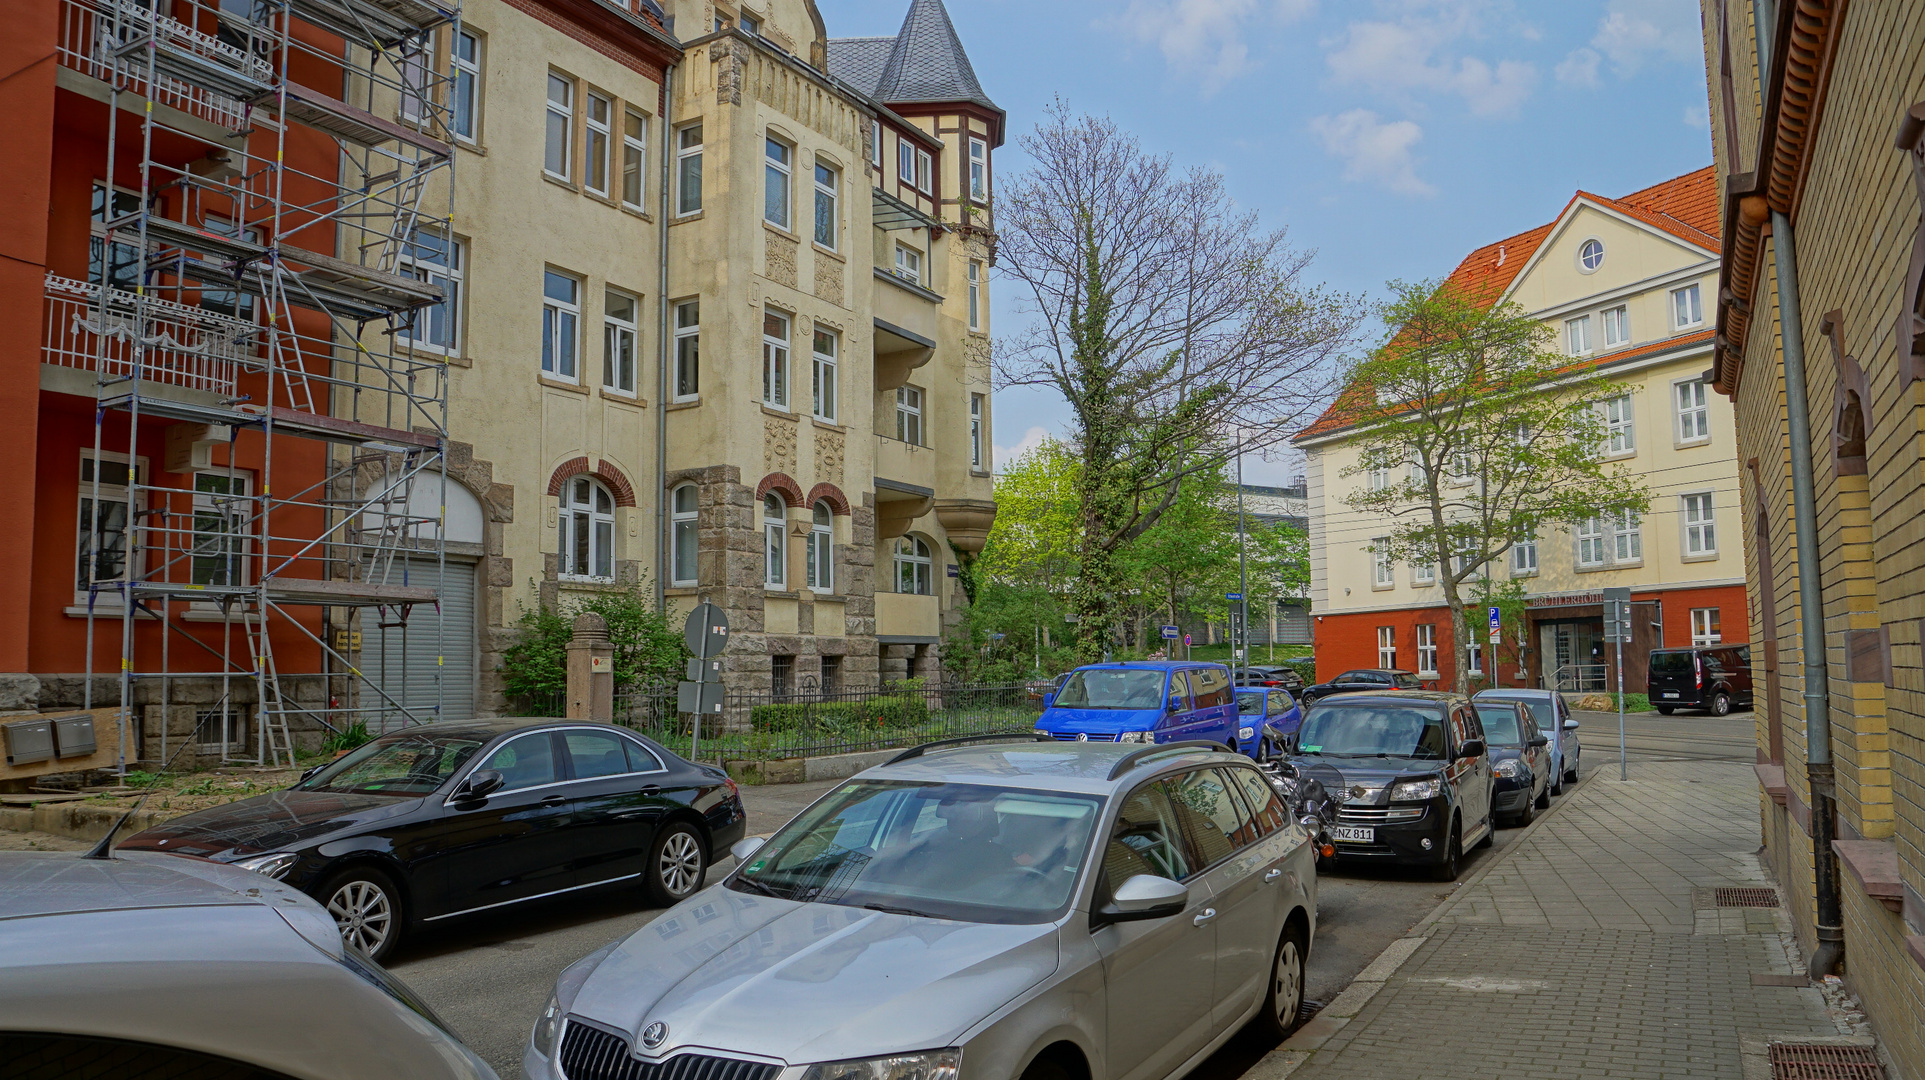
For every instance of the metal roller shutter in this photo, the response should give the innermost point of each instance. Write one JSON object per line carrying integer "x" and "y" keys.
{"x": 402, "y": 659}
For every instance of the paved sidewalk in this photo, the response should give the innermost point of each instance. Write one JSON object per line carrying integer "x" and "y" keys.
{"x": 1582, "y": 952}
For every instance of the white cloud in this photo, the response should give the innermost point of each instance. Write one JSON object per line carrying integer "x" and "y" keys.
{"x": 1206, "y": 38}
{"x": 1696, "y": 116}
{"x": 1033, "y": 438}
{"x": 1579, "y": 68}
{"x": 1374, "y": 151}
{"x": 1402, "y": 56}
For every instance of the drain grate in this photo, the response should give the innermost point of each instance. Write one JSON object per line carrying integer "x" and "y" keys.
{"x": 1818, "y": 1061}
{"x": 1307, "y": 1009}
{"x": 1744, "y": 897}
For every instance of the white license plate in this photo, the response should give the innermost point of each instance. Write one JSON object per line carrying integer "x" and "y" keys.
{"x": 1353, "y": 835}
{"x": 1669, "y": 693}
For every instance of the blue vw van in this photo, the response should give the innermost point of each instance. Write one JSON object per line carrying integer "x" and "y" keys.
{"x": 1143, "y": 702}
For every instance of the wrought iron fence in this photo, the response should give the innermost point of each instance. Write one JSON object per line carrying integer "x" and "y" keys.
{"x": 809, "y": 722}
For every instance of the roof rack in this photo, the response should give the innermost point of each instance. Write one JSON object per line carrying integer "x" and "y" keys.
{"x": 918, "y": 751}
{"x": 1137, "y": 757}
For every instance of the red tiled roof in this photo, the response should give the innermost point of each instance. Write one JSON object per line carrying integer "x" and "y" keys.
{"x": 1684, "y": 206}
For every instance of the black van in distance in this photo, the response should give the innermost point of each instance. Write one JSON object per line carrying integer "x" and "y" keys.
{"x": 1715, "y": 678}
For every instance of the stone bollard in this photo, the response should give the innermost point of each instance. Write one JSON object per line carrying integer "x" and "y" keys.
{"x": 591, "y": 670}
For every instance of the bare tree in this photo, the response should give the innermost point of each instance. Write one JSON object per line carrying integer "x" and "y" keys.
{"x": 1168, "y": 321}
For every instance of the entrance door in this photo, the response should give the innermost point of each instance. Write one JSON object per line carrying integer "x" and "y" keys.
{"x": 405, "y": 661}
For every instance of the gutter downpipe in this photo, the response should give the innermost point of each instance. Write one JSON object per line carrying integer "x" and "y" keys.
{"x": 1829, "y": 928}
{"x": 663, "y": 350}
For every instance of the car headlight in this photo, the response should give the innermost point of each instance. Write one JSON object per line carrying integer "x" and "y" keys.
{"x": 1413, "y": 790}
{"x": 1137, "y": 737}
{"x": 275, "y": 865}
{"x": 928, "y": 1065}
{"x": 1513, "y": 768}
{"x": 1040, "y": 731}
{"x": 547, "y": 1026}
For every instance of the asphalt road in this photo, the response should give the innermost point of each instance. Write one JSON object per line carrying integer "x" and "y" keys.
{"x": 489, "y": 976}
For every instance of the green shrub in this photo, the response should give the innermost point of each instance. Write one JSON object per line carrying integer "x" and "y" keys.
{"x": 348, "y": 738}
{"x": 647, "y": 650}
{"x": 888, "y": 712}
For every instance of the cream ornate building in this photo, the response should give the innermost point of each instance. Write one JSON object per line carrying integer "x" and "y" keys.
{"x": 720, "y": 320}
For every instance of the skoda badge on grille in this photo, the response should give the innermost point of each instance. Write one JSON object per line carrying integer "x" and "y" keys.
{"x": 654, "y": 1034}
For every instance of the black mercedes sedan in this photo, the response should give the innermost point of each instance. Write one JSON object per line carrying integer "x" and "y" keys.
{"x": 447, "y": 819}
{"x": 1360, "y": 680}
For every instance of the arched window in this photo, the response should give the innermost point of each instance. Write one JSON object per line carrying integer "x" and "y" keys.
{"x": 912, "y": 565}
{"x": 587, "y": 530}
{"x": 822, "y": 548}
{"x": 682, "y": 535}
{"x": 775, "y": 546}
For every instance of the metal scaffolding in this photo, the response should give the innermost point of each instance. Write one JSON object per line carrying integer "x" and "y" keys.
{"x": 259, "y": 289}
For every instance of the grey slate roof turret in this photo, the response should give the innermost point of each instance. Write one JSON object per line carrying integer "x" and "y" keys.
{"x": 924, "y": 62}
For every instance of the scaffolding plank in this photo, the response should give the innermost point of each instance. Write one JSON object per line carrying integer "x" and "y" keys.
{"x": 286, "y": 421}
{"x": 385, "y": 21}
{"x": 354, "y": 283}
{"x": 185, "y": 234}
{"x": 283, "y": 590}
{"x": 338, "y": 118}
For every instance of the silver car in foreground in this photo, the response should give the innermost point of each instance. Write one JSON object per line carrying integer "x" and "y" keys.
{"x": 160, "y": 965}
{"x": 1043, "y": 910}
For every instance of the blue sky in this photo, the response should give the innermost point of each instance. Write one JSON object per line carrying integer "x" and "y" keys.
{"x": 1391, "y": 136}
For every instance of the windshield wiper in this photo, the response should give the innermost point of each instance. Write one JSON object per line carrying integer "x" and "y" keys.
{"x": 757, "y": 886}
{"x": 887, "y": 910}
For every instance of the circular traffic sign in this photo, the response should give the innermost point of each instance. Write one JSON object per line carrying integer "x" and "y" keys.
{"x": 706, "y": 633}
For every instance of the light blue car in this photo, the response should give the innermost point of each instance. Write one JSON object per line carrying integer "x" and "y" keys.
{"x": 1554, "y": 720}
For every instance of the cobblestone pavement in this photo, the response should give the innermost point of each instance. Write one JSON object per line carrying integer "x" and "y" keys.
{"x": 1582, "y": 952}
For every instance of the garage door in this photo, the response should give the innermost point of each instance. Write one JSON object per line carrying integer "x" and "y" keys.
{"x": 401, "y": 659}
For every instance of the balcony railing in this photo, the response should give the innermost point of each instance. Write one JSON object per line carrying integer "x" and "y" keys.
{"x": 175, "y": 345}
{"x": 90, "y": 37}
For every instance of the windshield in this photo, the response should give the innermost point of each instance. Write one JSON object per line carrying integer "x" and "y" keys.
{"x": 1500, "y": 725}
{"x": 1112, "y": 688}
{"x": 946, "y": 851}
{"x": 1373, "y": 730}
{"x": 1540, "y": 709}
{"x": 407, "y": 763}
{"x": 1363, "y": 677}
{"x": 1671, "y": 663}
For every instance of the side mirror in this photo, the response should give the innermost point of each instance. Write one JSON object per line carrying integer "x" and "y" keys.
{"x": 1570, "y": 725}
{"x": 481, "y": 784}
{"x": 746, "y": 847}
{"x": 1170, "y": 706}
{"x": 306, "y": 775}
{"x": 1541, "y": 740}
{"x": 1049, "y": 700}
{"x": 1472, "y": 748}
{"x": 1145, "y": 896}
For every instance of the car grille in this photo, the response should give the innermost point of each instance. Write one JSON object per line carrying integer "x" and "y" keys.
{"x": 1365, "y": 815}
{"x": 593, "y": 1054}
{"x": 1094, "y": 736}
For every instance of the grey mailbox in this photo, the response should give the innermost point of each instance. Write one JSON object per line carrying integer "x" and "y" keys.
{"x": 73, "y": 736}
{"x": 28, "y": 741}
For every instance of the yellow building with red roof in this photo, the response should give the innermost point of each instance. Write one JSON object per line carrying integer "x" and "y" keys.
{"x": 1626, "y": 285}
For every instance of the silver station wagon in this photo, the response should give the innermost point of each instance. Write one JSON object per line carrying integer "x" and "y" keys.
{"x": 1042, "y": 910}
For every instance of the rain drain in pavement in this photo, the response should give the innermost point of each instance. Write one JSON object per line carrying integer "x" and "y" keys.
{"x": 1823, "y": 1061}
{"x": 1308, "y": 1009}
{"x": 1744, "y": 897}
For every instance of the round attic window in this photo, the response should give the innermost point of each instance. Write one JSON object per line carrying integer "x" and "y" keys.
{"x": 1590, "y": 255}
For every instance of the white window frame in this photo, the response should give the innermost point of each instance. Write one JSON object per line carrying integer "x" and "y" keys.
{"x": 87, "y": 523}
{"x": 826, "y": 195}
{"x": 446, "y": 273}
{"x": 909, "y": 417}
{"x": 1577, "y": 336}
{"x": 416, "y": 62}
{"x": 1387, "y": 647}
{"x": 688, "y": 170}
{"x": 915, "y": 564}
{"x": 1584, "y": 264}
{"x": 821, "y": 548}
{"x": 1707, "y": 627}
{"x": 777, "y": 366}
{"x": 1423, "y": 573}
{"x": 688, "y": 350}
{"x": 875, "y": 144}
{"x": 778, "y": 182}
{"x": 976, "y": 403}
{"x": 1591, "y": 549}
{"x": 561, "y": 327}
{"x": 685, "y": 534}
{"x": 579, "y": 516}
{"x": 635, "y": 159}
{"x": 751, "y": 25}
{"x": 1617, "y": 326}
{"x": 975, "y": 295}
{"x": 620, "y": 335}
{"x": 1687, "y": 306}
{"x": 978, "y": 167}
{"x": 1691, "y": 400}
{"x": 1620, "y": 426}
{"x": 1524, "y": 556}
{"x": 1427, "y": 651}
{"x": 1475, "y": 659}
{"x": 775, "y": 541}
{"x": 465, "y": 110}
{"x": 597, "y": 142}
{"x": 1383, "y": 574}
{"x": 925, "y": 171}
{"x": 1627, "y": 537}
{"x": 905, "y": 162}
{"x": 1699, "y": 514}
{"x": 822, "y": 380}
{"x": 908, "y": 263}
{"x": 235, "y": 507}
{"x": 560, "y": 132}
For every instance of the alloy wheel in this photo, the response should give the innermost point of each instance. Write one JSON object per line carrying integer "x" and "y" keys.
{"x": 365, "y": 914}
{"x": 680, "y": 865}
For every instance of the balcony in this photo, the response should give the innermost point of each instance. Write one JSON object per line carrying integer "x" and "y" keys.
{"x": 902, "y": 615}
{"x": 175, "y": 345}
{"x": 197, "y": 73}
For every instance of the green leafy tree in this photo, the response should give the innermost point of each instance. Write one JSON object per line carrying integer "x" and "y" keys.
{"x": 1475, "y": 433}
